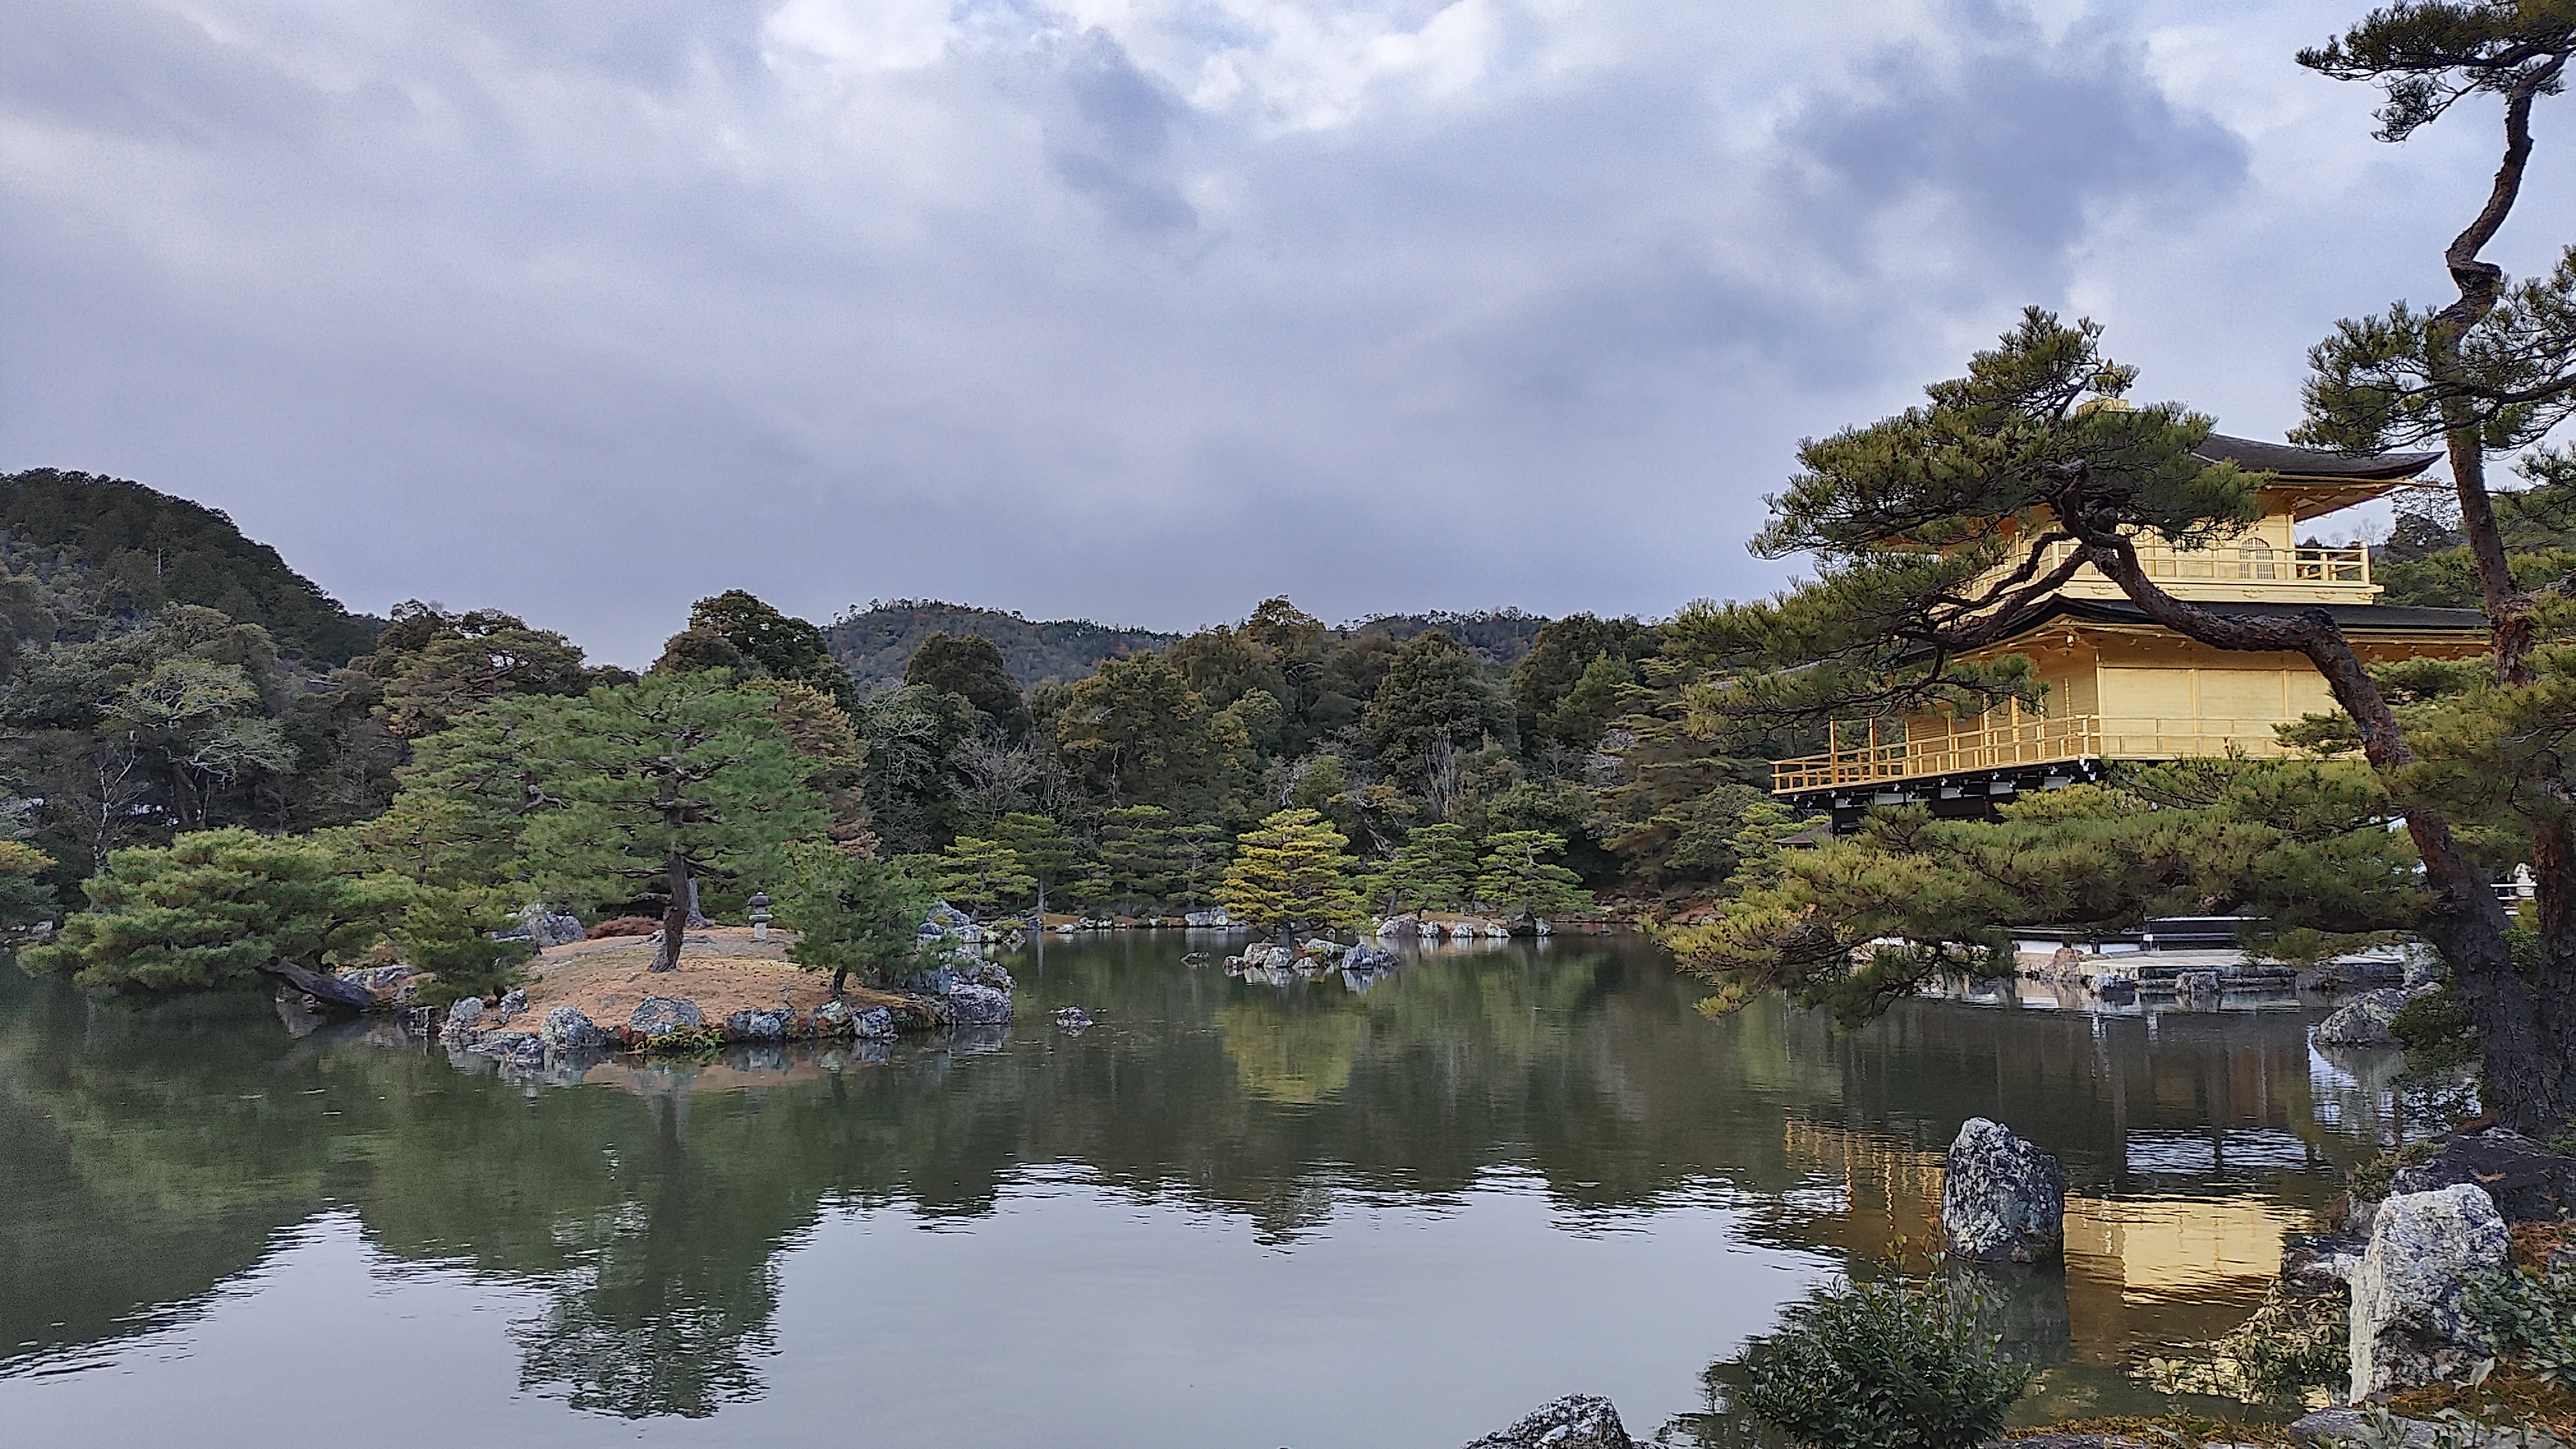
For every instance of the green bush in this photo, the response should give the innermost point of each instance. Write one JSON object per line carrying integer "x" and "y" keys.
{"x": 1898, "y": 1365}
{"x": 2531, "y": 1318}
{"x": 2436, "y": 1030}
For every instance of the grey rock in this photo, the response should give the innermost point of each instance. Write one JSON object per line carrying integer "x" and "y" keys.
{"x": 511, "y": 1004}
{"x": 569, "y": 1029}
{"x": 464, "y": 1021}
{"x": 2409, "y": 1325}
{"x": 2424, "y": 966}
{"x": 756, "y": 1026}
{"x": 2002, "y": 1200}
{"x": 2321, "y": 1266}
{"x": 519, "y": 1050}
{"x": 1268, "y": 956}
{"x": 1394, "y": 926}
{"x": 2345, "y": 1429}
{"x": 2363, "y": 1021}
{"x": 1072, "y": 1019}
{"x": 544, "y": 928}
{"x": 1205, "y": 919}
{"x": 832, "y": 1018}
{"x": 2196, "y": 983}
{"x": 659, "y": 1016}
{"x": 1577, "y": 1421}
{"x": 381, "y": 982}
{"x": 1318, "y": 946}
{"x": 874, "y": 1024}
{"x": 1367, "y": 958}
{"x": 978, "y": 1006}
{"x": 2527, "y": 1182}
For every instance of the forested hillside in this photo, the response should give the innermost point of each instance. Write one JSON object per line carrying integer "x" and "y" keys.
{"x": 152, "y": 713}
{"x": 87, "y": 552}
{"x": 875, "y": 643}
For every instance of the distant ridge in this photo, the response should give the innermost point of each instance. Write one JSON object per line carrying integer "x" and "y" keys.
{"x": 876, "y": 642}
{"x": 107, "y": 553}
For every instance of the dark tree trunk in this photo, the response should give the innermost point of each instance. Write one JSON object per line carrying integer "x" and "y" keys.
{"x": 2524, "y": 1047}
{"x": 675, "y": 920}
{"x": 331, "y": 991}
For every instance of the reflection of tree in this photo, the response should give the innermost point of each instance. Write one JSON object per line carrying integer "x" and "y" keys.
{"x": 1282, "y": 1055}
{"x": 153, "y": 1156}
{"x": 666, "y": 1309}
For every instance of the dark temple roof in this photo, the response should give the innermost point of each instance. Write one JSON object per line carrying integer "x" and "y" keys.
{"x": 2351, "y": 618}
{"x": 2300, "y": 462}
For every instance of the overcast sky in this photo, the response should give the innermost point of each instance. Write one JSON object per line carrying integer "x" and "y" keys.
{"x": 1140, "y": 310}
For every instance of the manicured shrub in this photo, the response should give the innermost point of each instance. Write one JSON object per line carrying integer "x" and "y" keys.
{"x": 1895, "y": 1365}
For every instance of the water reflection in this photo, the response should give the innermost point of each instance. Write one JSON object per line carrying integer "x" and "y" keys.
{"x": 648, "y": 1213}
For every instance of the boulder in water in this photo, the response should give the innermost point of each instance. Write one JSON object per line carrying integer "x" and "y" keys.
{"x": 569, "y": 1029}
{"x": 1577, "y": 1421}
{"x": 2002, "y": 1200}
{"x": 2364, "y": 1021}
{"x": 978, "y": 1006}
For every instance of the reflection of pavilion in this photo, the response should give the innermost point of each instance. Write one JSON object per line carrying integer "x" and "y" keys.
{"x": 2141, "y": 1271}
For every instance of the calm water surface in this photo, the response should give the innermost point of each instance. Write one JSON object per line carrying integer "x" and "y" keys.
{"x": 1230, "y": 1214}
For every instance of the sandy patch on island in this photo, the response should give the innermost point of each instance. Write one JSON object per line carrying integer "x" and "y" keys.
{"x": 721, "y": 968}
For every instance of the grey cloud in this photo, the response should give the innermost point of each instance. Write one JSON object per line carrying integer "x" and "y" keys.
{"x": 584, "y": 311}
{"x": 2019, "y": 140}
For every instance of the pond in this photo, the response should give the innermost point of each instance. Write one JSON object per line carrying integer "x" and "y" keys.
{"x": 1229, "y": 1214}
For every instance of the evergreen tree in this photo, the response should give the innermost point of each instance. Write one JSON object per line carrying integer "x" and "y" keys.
{"x": 1519, "y": 880}
{"x": 24, "y": 897}
{"x": 1292, "y": 875}
{"x": 1042, "y": 848}
{"x": 1434, "y": 870}
{"x": 1433, "y": 707}
{"x": 1136, "y": 853}
{"x": 853, "y": 914}
{"x": 736, "y": 630}
{"x": 436, "y": 666}
{"x": 671, "y": 778}
{"x": 212, "y": 908}
{"x": 1199, "y": 852}
{"x": 970, "y": 667}
{"x": 983, "y": 874}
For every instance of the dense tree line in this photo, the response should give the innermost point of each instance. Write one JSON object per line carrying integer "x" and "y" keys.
{"x": 177, "y": 768}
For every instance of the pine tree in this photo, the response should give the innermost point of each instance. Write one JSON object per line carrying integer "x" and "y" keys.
{"x": 1044, "y": 850}
{"x": 983, "y": 874}
{"x": 852, "y": 913}
{"x": 1434, "y": 870}
{"x": 672, "y": 777}
{"x": 1292, "y": 874}
{"x": 1519, "y": 880}
{"x": 211, "y": 909}
{"x": 1136, "y": 852}
{"x": 1198, "y": 856}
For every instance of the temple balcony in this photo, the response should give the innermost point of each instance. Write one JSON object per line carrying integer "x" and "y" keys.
{"x": 2016, "y": 743}
{"x": 2250, "y": 570}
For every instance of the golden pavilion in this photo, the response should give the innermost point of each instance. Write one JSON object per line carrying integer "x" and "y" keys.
{"x": 2119, "y": 687}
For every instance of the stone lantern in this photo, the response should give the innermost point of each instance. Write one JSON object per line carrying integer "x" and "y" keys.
{"x": 760, "y": 916}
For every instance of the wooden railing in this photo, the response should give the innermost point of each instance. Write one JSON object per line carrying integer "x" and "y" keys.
{"x": 2017, "y": 740}
{"x": 2246, "y": 563}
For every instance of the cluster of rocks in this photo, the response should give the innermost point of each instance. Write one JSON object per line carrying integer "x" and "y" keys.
{"x": 1458, "y": 928}
{"x": 505, "y": 1033}
{"x": 1277, "y": 963}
